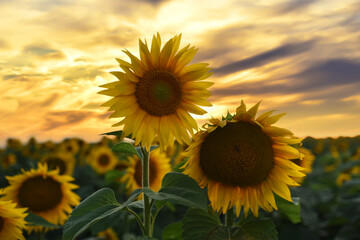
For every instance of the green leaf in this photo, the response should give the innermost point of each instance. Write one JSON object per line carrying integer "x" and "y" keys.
{"x": 113, "y": 175}
{"x": 224, "y": 233}
{"x": 35, "y": 220}
{"x": 172, "y": 231}
{"x": 178, "y": 167}
{"x": 182, "y": 189}
{"x": 197, "y": 224}
{"x": 290, "y": 209}
{"x": 257, "y": 229}
{"x": 125, "y": 147}
{"x": 114, "y": 133}
{"x": 97, "y": 206}
{"x": 153, "y": 147}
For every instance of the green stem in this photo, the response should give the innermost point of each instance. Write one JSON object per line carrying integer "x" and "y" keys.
{"x": 138, "y": 219}
{"x": 229, "y": 217}
{"x": 145, "y": 183}
{"x": 154, "y": 217}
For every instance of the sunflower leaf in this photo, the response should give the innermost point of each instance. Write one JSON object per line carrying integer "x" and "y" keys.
{"x": 257, "y": 228}
{"x": 181, "y": 189}
{"x": 197, "y": 224}
{"x": 290, "y": 209}
{"x": 125, "y": 147}
{"x": 35, "y": 220}
{"x": 114, "y": 133}
{"x": 172, "y": 231}
{"x": 96, "y": 207}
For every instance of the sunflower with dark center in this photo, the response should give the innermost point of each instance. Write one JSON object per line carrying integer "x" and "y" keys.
{"x": 159, "y": 165}
{"x": 102, "y": 159}
{"x": 243, "y": 161}
{"x": 12, "y": 220}
{"x": 306, "y": 162}
{"x": 70, "y": 146}
{"x": 45, "y": 193}
{"x": 64, "y": 161}
{"x": 159, "y": 89}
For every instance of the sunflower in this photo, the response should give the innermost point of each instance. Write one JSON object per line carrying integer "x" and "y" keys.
{"x": 159, "y": 89}
{"x": 108, "y": 234}
{"x": 102, "y": 159}
{"x": 342, "y": 178}
{"x": 159, "y": 165}
{"x": 8, "y": 160}
{"x": 45, "y": 193}
{"x": 70, "y": 146}
{"x": 306, "y": 162}
{"x": 12, "y": 220}
{"x": 244, "y": 161}
{"x": 62, "y": 160}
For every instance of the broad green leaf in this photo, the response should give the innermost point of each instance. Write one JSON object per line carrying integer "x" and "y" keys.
{"x": 221, "y": 232}
{"x": 197, "y": 224}
{"x": 181, "y": 189}
{"x": 290, "y": 209}
{"x": 125, "y": 147}
{"x": 172, "y": 231}
{"x": 35, "y": 220}
{"x": 94, "y": 208}
{"x": 257, "y": 229}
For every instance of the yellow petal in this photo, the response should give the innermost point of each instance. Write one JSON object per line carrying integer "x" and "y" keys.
{"x": 276, "y": 131}
{"x": 192, "y": 108}
{"x": 252, "y": 111}
{"x": 273, "y": 119}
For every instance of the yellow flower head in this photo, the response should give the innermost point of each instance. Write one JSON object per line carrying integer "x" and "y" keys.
{"x": 108, "y": 234}
{"x": 243, "y": 161}
{"x": 102, "y": 159}
{"x": 305, "y": 162}
{"x": 159, "y": 165}
{"x": 45, "y": 193}
{"x": 12, "y": 220}
{"x": 62, "y": 160}
{"x": 155, "y": 93}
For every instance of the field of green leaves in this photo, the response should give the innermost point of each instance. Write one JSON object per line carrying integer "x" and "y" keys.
{"x": 325, "y": 206}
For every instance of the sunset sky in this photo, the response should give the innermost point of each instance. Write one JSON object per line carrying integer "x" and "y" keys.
{"x": 301, "y": 57}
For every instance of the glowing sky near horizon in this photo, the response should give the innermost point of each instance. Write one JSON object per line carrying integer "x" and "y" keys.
{"x": 301, "y": 57}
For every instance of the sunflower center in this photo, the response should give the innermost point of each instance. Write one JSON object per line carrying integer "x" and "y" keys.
{"x": 120, "y": 166}
{"x": 55, "y": 162}
{"x": 1, "y": 223}
{"x": 159, "y": 93}
{"x": 104, "y": 160}
{"x": 40, "y": 194}
{"x": 138, "y": 172}
{"x": 239, "y": 154}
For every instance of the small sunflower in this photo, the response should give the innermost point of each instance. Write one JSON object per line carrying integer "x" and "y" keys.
{"x": 62, "y": 160}
{"x": 158, "y": 166}
{"x": 102, "y": 159}
{"x": 12, "y": 220}
{"x": 70, "y": 146}
{"x": 342, "y": 178}
{"x": 45, "y": 193}
{"x": 159, "y": 89}
{"x": 306, "y": 162}
{"x": 8, "y": 160}
{"x": 244, "y": 160}
{"x": 108, "y": 234}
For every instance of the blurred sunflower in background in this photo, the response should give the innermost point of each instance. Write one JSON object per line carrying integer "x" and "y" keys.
{"x": 102, "y": 159}
{"x": 159, "y": 89}
{"x": 159, "y": 165}
{"x": 243, "y": 161}
{"x": 108, "y": 234}
{"x": 306, "y": 162}
{"x": 69, "y": 146}
{"x": 8, "y": 160}
{"x": 45, "y": 193}
{"x": 64, "y": 161}
{"x": 12, "y": 220}
{"x": 342, "y": 178}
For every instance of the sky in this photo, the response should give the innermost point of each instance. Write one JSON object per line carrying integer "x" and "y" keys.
{"x": 301, "y": 57}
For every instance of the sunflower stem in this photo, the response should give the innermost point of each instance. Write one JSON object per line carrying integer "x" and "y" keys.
{"x": 145, "y": 183}
{"x": 229, "y": 217}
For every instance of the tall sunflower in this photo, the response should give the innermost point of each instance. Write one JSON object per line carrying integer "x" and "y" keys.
{"x": 244, "y": 160}
{"x": 159, "y": 89}
{"x": 306, "y": 162}
{"x": 12, "y": 220}
{"x": 102, "y": 159}
{"x": 159, "y": 165}
{"x": 62, "y": 160}
{"x": 45, "y": 193}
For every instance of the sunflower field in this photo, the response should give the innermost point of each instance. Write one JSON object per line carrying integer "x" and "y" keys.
{"x": 161, "y": 177}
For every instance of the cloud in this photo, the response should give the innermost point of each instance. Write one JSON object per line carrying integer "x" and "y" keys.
{"x": 284, "y": 51}
{"x": 65, "y": 118}
{"x": 322, "y": 76}
{"x": 293, "y": 6}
